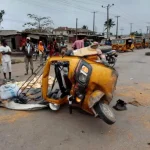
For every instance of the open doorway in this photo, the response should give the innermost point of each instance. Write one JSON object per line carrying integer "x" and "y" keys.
{"x": 13, "y": 42}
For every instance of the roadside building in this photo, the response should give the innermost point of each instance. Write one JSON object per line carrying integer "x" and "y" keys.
{"x": 12, "y": 38}
{"x": 70, "y": 33}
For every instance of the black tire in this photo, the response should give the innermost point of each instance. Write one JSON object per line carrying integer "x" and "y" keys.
{"x": 105, "y": 113}
{"x": 147, "y": 53}
{"x": 111, "y": 61}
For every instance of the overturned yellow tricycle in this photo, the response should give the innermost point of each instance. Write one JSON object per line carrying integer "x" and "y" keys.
{"x": 83, "y": 84}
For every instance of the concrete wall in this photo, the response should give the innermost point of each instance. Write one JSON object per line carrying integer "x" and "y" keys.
{"x": 17, "y": 40}
{"x": 60, "y": 32}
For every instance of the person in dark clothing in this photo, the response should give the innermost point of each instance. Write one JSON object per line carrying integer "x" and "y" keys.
{"x": 28, "y": 50}
{"x": 50, "y": 48}
{"x": 86, "y": 42}
{"x": 56, "y": 48}
{"x": 144, "y": 43}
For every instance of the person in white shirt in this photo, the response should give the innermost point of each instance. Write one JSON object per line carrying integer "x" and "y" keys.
{"x": 6, "y": 59}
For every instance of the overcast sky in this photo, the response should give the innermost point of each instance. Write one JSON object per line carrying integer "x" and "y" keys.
{"x": 65, "y": 12}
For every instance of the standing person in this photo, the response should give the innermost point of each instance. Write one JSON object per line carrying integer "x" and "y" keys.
{"x": 144, "y": 43}
{"x": 56, "y": 48}
{"x": 80, "y": 43}
{"x": 6, "y": 59}
{"x": 0, "y": 60}
{"x": 28, "y": 50}
{"x": 41, "y": 52}
{"x": 50, "y": 47}
{"x": 86, "y": 42}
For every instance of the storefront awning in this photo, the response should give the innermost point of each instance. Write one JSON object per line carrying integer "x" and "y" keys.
{"x": 34, "y": 36}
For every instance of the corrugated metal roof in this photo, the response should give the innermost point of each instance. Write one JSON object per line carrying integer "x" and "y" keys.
{"x": 72, "y": 29}
{"x": 8, "y": 32}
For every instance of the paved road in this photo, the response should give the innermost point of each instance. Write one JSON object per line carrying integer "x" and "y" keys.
{"x": 47, "y": 130}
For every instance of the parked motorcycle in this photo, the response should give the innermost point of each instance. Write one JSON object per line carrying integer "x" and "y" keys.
{"x": 111, "y": 57}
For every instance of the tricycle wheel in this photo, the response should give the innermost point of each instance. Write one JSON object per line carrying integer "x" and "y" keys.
{"x": 54, "y": 107}
{"x": 105, "y": 113}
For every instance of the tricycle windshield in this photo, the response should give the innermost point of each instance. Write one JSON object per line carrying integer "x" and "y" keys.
{"x": 103, "y": 41}
{"x": 138, "y": 40}
{"x": 114, "y": 41}
{"x": 121, "y": 41}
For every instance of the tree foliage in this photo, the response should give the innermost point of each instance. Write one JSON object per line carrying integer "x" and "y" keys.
{"x": 111, "y": 23}
{"x": 38, "y": 24}
{"x": 2, "y": 12}
{"x": 85, "y": 27}
{"x": 136, "y": 33}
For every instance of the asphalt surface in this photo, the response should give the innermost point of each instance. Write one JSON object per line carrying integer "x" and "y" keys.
{"x": 47, "y": 130}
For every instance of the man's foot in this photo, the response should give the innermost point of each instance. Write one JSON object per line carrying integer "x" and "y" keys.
{"x": 4, "y": 81}
{"x": 11, "y": 80}
{"x": 33, "y": 73}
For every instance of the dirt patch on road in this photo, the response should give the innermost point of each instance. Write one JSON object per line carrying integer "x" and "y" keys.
{"x": 139, "y": 93}
{"x": 14, "y": 117}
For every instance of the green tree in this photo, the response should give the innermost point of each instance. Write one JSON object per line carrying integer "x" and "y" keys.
{"x": 85, "y": 27}
{"x": 136, "y": 33}
{"x": 2, "y": 12}
{"x": 39, "y": 24}
{"x": 111, "y": 23}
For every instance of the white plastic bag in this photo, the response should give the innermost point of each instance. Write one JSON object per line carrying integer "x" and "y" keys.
{"x": 9, "y": 91}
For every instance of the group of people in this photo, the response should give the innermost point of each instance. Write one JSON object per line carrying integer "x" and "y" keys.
{"x": 29, "y": 49}
{"x": 41, "y": 49}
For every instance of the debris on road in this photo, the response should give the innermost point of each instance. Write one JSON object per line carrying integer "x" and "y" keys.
{"x": 135, "y": 103}
{"x": 9, "y": 91}
{"x": 130, "y": 93}
{"x": 147, "y": 53}
{"x": 16, "y": 106}
{"x": 24, "y": 95}
{"x": 33, "y": 84}
{"x": 120, "y": 105}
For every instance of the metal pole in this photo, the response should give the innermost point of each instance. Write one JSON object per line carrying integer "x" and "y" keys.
{"x": 121, "y": 31}
{"x": 108, "y": 21}
{"x": 93, "y": 22}
{"x": 147, "y": 29}
{"x": 76, "y": 28}
{"x": 131, "y": 28}
{"x": 117, "y": 27}
{"x": 108, "y": 6}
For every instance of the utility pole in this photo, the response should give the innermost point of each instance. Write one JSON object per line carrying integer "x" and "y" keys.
{"x": 147, "y": 29}
{"x": 107, "y": 7}
{"x": 117, "y": 27}
{"x": 76, "y": 28}
{"x": 131, "y": 27}
{"x": 122, "y": 31}
{"x": 94, "y": 21}
{"x": 140, "y": 31}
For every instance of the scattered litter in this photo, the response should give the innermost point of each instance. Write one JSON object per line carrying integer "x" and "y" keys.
{"x": 16, "y": 106}
{"x": 120, "y": 105}
{"x": 24, "y": 95}
{"x": 9, "y": 91}
{"x": 33, "y": 84}
{"x": 147, "y": 53}
{"x": 83, "y": 131}
{"x": 135, "y": 103}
